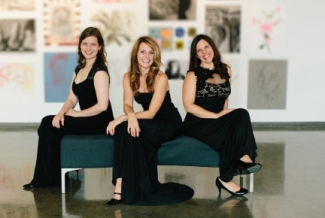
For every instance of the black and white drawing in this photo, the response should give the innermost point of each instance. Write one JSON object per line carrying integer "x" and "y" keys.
{"x": 117, "y": 26}
{"x": 172, "y": 9}
{"x": 176, "y": 69}
{"x": 223, "y": 26}
{"x": 17, "y": 35}
{"x": 267, "y": 84}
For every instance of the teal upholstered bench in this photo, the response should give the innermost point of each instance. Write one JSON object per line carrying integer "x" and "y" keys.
{"x": 96, "y": 151}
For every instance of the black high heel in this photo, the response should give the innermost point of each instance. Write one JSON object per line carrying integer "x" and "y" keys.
{"x": 242, "y": 191}
{"x": 247, "y": 168}
{"x": 114, "y": 201}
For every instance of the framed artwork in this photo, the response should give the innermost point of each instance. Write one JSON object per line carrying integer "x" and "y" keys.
{"x": 61, "y": 22}
{"x": 172, "y": 10}
{"x": 17, "y": 35}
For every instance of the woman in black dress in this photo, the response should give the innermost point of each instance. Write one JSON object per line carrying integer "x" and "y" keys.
{"x": 138, "y": 135}
{"x": 90, "y": 87}
{"x": 228, "y": 131}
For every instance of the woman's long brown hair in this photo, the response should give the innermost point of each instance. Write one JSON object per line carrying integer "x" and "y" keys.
{"x": 134, "y": 72}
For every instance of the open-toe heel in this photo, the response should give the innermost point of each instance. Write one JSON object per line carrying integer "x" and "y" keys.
{"x": 114, "y": 201}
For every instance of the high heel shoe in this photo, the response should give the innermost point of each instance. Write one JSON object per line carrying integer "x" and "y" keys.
{"x": 28, "y": 186}
{"x": 247, "y": 168}
{"x": 114, "y": 201}
{"x": 242, "y": 191}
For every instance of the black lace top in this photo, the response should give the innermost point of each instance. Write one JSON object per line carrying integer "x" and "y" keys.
{"x": 210, "y": 96}
{"x": 205, "y": 89}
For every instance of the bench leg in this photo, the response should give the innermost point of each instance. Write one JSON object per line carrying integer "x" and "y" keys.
{"x": 63, "y": 172}
{"x": 251, "y": 182}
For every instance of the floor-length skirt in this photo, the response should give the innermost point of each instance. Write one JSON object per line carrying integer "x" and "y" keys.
{"x": 230, "y": 135}
{"x": 135, "y": 161}
{"x": 48, "y": 166}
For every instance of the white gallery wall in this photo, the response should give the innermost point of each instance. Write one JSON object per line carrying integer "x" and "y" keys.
{"x": 286, "y": 36}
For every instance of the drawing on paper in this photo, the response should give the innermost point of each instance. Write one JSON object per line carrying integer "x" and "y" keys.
{"x": 61, "y": 24}
{"x": 266, "y": 25}
{"x": 267, "y": 84}
{"x": 17, "y": 5}
{"x": 117, "y": 26}
{"x": 223, "y": 26}
{"x": 17, "y": 35}
{"x": 16, "y": 78}
{"x": 172, "y": 9}
{"x": 58, "y": 71}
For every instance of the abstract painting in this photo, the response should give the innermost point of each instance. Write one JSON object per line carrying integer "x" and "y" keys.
{"x": 58, "y": 71}
{"x": 16, "y": 78}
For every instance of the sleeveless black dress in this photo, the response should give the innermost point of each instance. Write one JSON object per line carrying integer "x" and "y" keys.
{"x": 135, "y": 158}
{"x": 230, "y": 135}
{"x": 48, "y": 166}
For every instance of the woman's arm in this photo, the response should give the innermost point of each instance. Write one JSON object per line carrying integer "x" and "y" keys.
{"x": 101, "y": 83}
{"x": 225, "y": 106}
{"x": 68, "y": 104}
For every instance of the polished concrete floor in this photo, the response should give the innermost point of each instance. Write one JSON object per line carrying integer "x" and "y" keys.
{"x": 290, "y": 184}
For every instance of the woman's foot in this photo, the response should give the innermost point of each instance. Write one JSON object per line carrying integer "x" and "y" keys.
{"x": 117, "y": 198}
{"x": 247, "y": 167}
{"x": 230, "y": 187}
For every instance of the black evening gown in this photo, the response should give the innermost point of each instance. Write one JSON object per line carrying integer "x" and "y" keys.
{"x": 230, "y": 135}
{"x": 135, "y": 158}
{"x": 48, "y": 166}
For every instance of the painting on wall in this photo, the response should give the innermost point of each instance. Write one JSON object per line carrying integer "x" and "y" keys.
{"x": 17, "y": 35}
{"x": 172, "y": 10}
{"x": 16, "y": 78}
{"x": 267, "y": 23}
{"x": 17, "y": 5}
{"x": 175, "y": 68}
{"x": 222, "y": 24}
{"x": 117, "y": 26}
{"x": 61, "y": 22}
{"x": 267, "y": 84}
{"x": 58, "y": 71}
{"x": 163, "y": 36}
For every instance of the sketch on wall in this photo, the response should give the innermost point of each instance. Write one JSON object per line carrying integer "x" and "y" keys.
{"x": 58, "y": 71}
{"x": 266, "y": 24}
{"x": 113, "y": 1}
{"x": 172, "y": 9}
{"x": 267, "y": 85}
{"x": 175, "y": 68}
{"x": 17, "y": 5}
{"x": 61, "y": 22}
{"x": 17, "y": 35}
{"x": 222, "y": 24}
{"x": 117, "y": 26}
{"x": 16, "y": 78}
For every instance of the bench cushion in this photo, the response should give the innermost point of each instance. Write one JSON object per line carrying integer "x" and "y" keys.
{"x": 96, "y": 151}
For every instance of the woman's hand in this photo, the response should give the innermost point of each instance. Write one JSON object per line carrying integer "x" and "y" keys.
{"x": 224, "y": 112}
{"x": 114, "y": 123}
{"x": 133, "y": 126}
{"x": 57, "y": 119}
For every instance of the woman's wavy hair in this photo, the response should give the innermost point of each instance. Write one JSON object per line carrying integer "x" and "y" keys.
{"x": 134, "y": 72}
{"x": 101, "y": 55}
{"x": 218, "y": 64}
